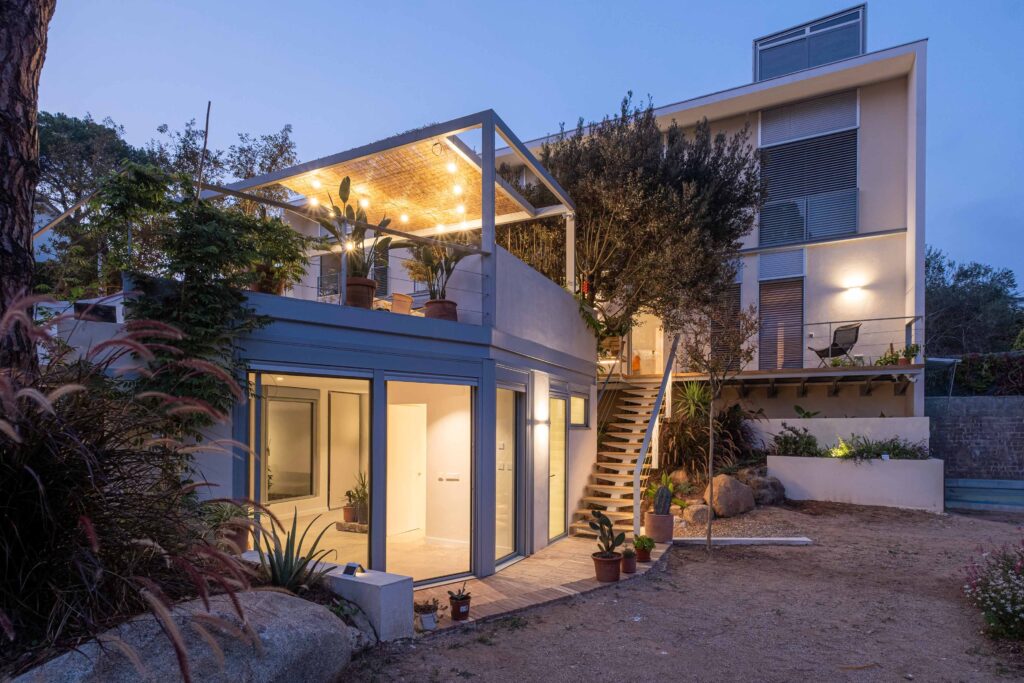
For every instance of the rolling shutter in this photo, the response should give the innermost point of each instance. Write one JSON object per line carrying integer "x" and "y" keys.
{"x": 780, "y": 340}
{"x": 719, "y": 329}
{"x": 781, "y": 264}
{"x": 809, "y": 118}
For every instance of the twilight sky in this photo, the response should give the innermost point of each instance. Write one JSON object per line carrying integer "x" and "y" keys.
{"x": 347, "y": 73}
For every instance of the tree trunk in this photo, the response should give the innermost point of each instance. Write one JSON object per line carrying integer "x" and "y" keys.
{"x": 23, "y": 25}
{"x": 711, "y": 463}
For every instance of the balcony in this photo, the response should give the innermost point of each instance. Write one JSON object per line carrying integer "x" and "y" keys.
{"x": 808, "y": 219}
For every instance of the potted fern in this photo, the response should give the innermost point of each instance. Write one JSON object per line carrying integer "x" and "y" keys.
{"x": 349, "y": 227}
{"x": 606, "y": 560}
{"x": 433, "y": 265}
{"x": 459, "y": 601}
{"x": 659, "y": 520}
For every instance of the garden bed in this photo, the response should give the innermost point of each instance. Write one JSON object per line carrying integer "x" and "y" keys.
{"x": 910, "y": 484}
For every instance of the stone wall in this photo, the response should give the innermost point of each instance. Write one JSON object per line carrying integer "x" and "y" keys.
{"x": 978, "y": 437}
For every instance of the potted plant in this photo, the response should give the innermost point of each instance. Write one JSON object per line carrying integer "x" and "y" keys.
{"x": 909, "y": 354}
{"x": 359, "y": 499}
{"x": 230, "y": 524}
{"x": 890, "y": 357}
{"x": 348, "y": 510}
{"x": 628, "y": 561}
{"x": 433, "y": 265}
{"x": 606, "y": 560}
{"x": 659, "y": 520}
{"x": 426, "y": 614}
{"x": 644, "y": 545}
{"x": 349, "y": 227}
{"x": 459, "y": 600}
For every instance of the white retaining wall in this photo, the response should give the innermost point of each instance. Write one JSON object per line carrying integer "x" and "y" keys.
{"x": 828, "y": 430}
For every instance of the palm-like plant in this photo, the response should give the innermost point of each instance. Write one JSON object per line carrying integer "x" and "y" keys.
{"x": 434, "y": 264}
{"x": 349, "y": 226}
{"x": 284, "y": 563}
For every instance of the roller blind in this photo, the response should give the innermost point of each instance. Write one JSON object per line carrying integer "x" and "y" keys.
{"x": 809, "y": 118}
{"x": 780, "y": 340}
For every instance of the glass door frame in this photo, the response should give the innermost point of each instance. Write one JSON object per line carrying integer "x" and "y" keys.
{"x": 519, "y": 497}
{"x": 559, "y": 395}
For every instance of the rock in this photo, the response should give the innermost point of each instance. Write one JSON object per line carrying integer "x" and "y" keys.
{"x": 679, "y": 477}
{"x": 748, "y": 473}
{"x": 731, "y": 497}
{"x": 287, "y": 639}
{"x": 675, "y": 510}
{"x": 696, "y": 514}
{"x": 767, "y": 490}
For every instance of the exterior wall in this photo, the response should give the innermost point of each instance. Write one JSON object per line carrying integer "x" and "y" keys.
{"x": 848, "y": 404}
{"x": 910, "y": 484}
{"x": 882, "y": 156}
{"x": 978, "y": 437}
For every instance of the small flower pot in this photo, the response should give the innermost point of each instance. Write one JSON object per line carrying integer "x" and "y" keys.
{"x": 359, "y": 292}
{"x": 659, "y": 527}
{"x": 607, "y": 568}
{"x": 629, "y": 564}
{"x": 903, "y": 362}
{"x": 643, "y": 555}
{"x": 441, "y": 309}
{"x": 362, "y": 513}
{"x": 348, "y": 513}
{"x": 427, "y": 621}
{"x": 460, "y": 608}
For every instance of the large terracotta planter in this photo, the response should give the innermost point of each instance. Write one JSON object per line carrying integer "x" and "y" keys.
{"x": 607, "y": 568}
{"x": 659, "y": 527}
{"x": 359, "y": 292}
{"x": 441, "y": 309}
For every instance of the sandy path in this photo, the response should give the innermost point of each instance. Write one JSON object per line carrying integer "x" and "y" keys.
{"x": 875, "y": 599}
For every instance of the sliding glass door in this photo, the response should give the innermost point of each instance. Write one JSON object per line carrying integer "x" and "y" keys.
{"x": 506, "y": 452}
{"x": 557, "y": 517}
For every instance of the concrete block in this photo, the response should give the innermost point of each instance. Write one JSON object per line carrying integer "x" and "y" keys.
{"x": 385, "y": 598}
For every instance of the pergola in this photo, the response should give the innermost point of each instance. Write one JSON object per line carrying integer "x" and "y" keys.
{"x": 430, "y": 182}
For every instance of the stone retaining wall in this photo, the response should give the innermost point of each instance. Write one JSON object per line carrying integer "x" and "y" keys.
{"x": 978, "y": 437}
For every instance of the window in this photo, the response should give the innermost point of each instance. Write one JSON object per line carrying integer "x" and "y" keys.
{"x": 729, "y": 325}
{"x": 505, "y": 459}
{"x": 579, "y": 411}
{"x": 329, "y": 281}
{"x": 557, "y": 517}
{"x": 381, "y": 270}
{"x": 811, "y": 189}
{"x": 824, "y": 41}
{"x": 780, "y": 340}
{"x": 290, "y": 443}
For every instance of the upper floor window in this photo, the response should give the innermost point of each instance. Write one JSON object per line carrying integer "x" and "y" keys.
{"x": 826, "y": 40}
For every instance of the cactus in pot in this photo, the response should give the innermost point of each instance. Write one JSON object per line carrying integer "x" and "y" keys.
{"x": 606, "y": 560}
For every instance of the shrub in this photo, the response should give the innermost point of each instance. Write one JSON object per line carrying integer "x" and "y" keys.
{"x": 98, "y": 520}
{"x": 862, "y": 448}
{"x": 643, "y": 543}
{"x": 992, "y": 374}
{"x": 995, "y": 585}
{"x": 796, "y": 441}
{"x": 284, "y": 564}
{"x": 684, "y": 441}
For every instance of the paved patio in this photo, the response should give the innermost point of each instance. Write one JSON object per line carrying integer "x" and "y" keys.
{"x": 561, "y": 570}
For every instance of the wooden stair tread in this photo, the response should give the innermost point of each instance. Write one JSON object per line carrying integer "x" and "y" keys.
{"x": 608, "y": 502}
{"x": 610, "y": 488}
{"x": 610, "y": 514}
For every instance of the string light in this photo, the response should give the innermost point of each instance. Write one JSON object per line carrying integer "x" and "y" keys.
{"x": 350, "y": 245}
{"x": 404, "y": 218}
{"x": 364, "y": 202}
{"x": 313, "y": 201}
{"x": 457, "y": 190}
{"x": 452, "y": 167}
{"x": 316, "y": 184}
{"x": 460, "y": 209}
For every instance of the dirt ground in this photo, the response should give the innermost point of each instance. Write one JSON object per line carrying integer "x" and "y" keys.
{"x": 876, "y": 598}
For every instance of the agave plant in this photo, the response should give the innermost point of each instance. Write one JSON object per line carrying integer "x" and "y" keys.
{"x": 349, "y": 226}
{"x": 285, "y": 565}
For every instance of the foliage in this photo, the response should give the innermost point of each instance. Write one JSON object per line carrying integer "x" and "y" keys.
{"x": 540, "y": 243}
{"x": 285, "y": 564}
{"x": 796, "y": 441}
{"x": 890, "y": 357}
{"x": 434, "y": 264}
{"x": 607, "y": 539}
{"x": 432, "y": 606}
{"x": 361, "y": 493}
{"x": 994, "y": 583}
{"x": 989, "y": 374}
{"x": 99, "y": 521}
{"x": 910, "y": 352}
{"x": 694, "y": 400}
{"x": 349, "y": 226}
{"x": 256, "y": 155}
{"x": 863, "y": 448}
{"x": 684, "y": 441}
{"x": 628, "y": 552}
{"x": 461, "y": 594}
{"x": 659, "y": 215}
{"x": 662, "y": 494}
{"x": 970, "y": 307}
{"x": 804, "y": 414}
{"x": 643, "y": 543}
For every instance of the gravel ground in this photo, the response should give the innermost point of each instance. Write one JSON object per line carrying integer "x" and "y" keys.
{"x": 765, "y": 521}
{"x": 876, "y": 598}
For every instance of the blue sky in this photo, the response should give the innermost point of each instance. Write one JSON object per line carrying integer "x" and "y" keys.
{"x": 346, "y": 73}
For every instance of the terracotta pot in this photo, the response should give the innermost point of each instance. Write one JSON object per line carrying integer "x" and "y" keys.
{"x": 460, "y": 608}
{"x": 238, "y": 537}
{"x": 441, "y": 309}
{"x": 362, "y": 513}
{"x": 607, "y": 568}
{"x": 659, "y": 527}
{"x": 903, "y": 362}
{"x": 629, "y": 564}
{"x": 349, "y": 513}
{"x": 359, "y": 292}
{"x": 643, "y": 555}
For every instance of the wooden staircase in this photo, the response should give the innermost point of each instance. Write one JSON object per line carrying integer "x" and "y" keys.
{"x": 611, "y": 483}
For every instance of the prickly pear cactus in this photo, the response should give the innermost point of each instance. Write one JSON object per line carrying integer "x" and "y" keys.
{"x": 607, "y": 540}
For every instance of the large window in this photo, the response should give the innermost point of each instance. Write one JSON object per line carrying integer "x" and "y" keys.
{"x": 290, "y": 443}
{"x": 429, "y": 479}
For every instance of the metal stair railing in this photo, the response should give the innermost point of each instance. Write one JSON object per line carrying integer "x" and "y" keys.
{"x": 641, "y": 460}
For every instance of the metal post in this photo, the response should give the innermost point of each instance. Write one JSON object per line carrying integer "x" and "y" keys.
{"x": 570, "y": 252}
{"x": 343, "y": 285}
{"x": 487, "y": 221}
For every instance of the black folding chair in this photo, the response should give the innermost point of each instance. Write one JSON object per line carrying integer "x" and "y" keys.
{"x": 844, "y": 338}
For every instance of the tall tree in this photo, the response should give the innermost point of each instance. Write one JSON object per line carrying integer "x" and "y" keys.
{"x": 23, "y": 28}
{"x": 969, "y": 307}
{"x": 258, "y": 154}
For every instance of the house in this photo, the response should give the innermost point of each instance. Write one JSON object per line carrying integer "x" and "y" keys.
{"x": 469, "y": 434}
{"x": 837, "y": 254}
